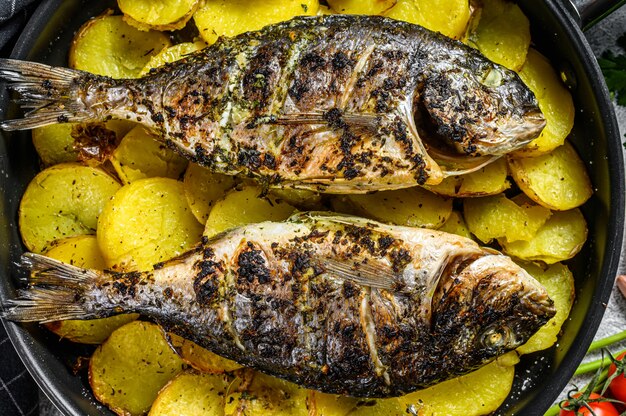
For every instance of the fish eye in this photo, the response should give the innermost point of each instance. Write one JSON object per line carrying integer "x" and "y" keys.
{"x": 493, "y": 78}
{"x": 495, "y": 337}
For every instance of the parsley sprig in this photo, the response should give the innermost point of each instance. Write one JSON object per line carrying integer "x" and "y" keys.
{"x": 614, "y": 69}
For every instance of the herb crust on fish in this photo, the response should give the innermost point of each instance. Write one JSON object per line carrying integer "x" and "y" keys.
{"x": 333, "y": 303}
{"x": 336, "y": 104}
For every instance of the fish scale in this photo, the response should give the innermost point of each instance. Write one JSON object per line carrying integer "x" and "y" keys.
{"x": 335, "y": 104}
{"x": 334, "y": 303}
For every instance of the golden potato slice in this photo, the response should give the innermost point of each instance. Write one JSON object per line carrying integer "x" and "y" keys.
{"x": 473, "y": 394}
{"x": 300, "y": 198}
{"x": 140, "y": 155}
{"x": 559, "y": 282}
{"x": 555, "y": 102}
{"x": 203, "y": 188}
{"x": 244, "y": 206}
{"x": 147, "y": 222}
{"x": 559, "y": 239}
{"x": 158, "y": 15}
{"x": 107, "y": 45}
{"x": 455, "y": 224}
{"x": 128, "y": 370}
{"x": 498, "y": 217}
{"x": 192, "y": 394}
{"x": 83, "y": 251}
{"x": 172, "y": 54}
{"x": 449, "y": 17}
{"x": 361, "y": 6}
{"x": 415, "y": 207}
{"x": 63, "y": 201}
{"x": 502, "y": 34}
{"x": 270, "y": 396}
{"x": 55, "y": 144}
{"x": 557, "y": 180}
{"x": 200, "y": 358}
{"x": 217, "y": 18}
{"x": 489, "y": 180}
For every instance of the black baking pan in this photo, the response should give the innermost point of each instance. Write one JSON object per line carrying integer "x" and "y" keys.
{"x": 556, "y": 32}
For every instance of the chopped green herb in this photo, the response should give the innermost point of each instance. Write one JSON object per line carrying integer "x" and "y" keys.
{"x": 614, "y": 70}
{"x": 304, "y": 7}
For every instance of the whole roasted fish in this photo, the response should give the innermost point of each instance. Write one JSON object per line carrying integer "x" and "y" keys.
{"x": 333, "y": 303}
{"x": 337, "y": 104}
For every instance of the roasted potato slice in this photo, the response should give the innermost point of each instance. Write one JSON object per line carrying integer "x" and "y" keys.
{"x": 489, "y": 180}
{"x": 473, "y": 394}
{"x": 559, "y": 282}
{"x": 161, "y": 15}
{"x": 455, "y": 224}
{"x": 172, "y": 54}
{"x": 449, "y": 17}
{"x": 203, "y": 188}
{"x": 83, "y": 251}
{"x": 200, "y": 358}
{"x": 192, "y": 394}
{"x": 128, "y": 370}
{"x": 415, "y": 207}
{"x": 243, "y": 206}
{"x": 559, "y": 239}
{"x": 147, "y": 222}
{"x": 140, "y": 155}
{"x": 499, "y": 217}
{"x": 361, "y": 6}
{"x": 502, "y": 34}
{"x": 217, "y": 18}
{"x": 557, "y": 180}
{"x": 106, "y": 45}
{"x": 63, "y": 201}
{"x": 300, "y": 198}
{"x": 271, "y": 396}
{"x": 555, "y": 102}
{"x": 55, "y": 144}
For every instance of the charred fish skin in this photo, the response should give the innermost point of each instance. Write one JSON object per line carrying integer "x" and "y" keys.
{"x": 337, "y": 104}
{"x": 332, "y": 303}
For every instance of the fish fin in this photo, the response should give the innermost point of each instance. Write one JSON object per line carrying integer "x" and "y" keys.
{"x": 56, "y": 292}
{"x": 379, "y": 276}
{"x": 48, "y": 92}
{"x": 332, "y": 118}
{"x": 453, "y": 165}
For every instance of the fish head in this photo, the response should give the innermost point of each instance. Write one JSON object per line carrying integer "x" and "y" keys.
{"x": 489, "y": 308}
{"x": 479, "y": 108}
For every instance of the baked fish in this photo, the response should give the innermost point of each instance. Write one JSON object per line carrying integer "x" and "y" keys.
{"x": 336, "y": 104}
{"x": 333, "y": 303}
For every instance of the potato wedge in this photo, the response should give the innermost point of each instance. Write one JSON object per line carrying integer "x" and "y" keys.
{"x": 147, "y": 222}
{"x": 559, "y": 239}
{"x": 140, "y": 155}
{"x": 243, "y": 206}
{"x": 203, "y": 188}
{"x": 502, "y": 34}
{"x": 128, "y": 370}
{"x": 200, "y": 358}
{"x": 161, "y": 15}
{"x": 555, "y": 102}
{"x": 271, "y": 396}
{"x": 559, "y": 282}
{"x": 63, "y": 201}
{"x": 455, "y": 224}
{"x": 192, "y": 394}
{"x": 490, "y": 180}
{"x": 361, "y": 6}
{"x": 172, "y": 54}
{"x": 557, "y": 180}
{"x": 106, "y": 45}
{"x": 499, "y": 217}
{"x": 473, "y": 394}
{"x": 449, "y": 17}
{"x": 415, "y": 207}
{"x": 83, "y": 251}
{"x": 217, "y": 18}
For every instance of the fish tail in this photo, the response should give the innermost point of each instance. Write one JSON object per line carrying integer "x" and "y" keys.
{"x": 57, "y": 291}
{"x": 50, "y": 94}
